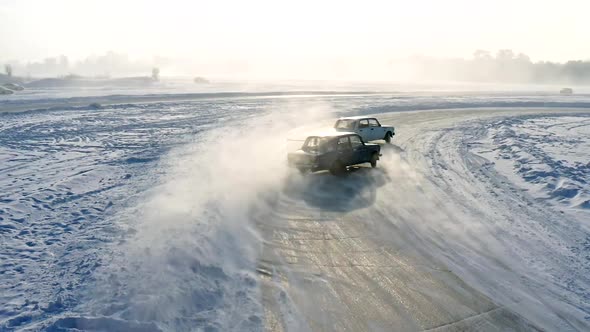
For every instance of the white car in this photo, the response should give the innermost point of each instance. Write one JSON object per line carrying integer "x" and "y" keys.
{"x": 368, "y": 128}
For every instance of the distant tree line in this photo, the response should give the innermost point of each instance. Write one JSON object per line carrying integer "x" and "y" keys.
{"x": 504, "y": 66}
{"x": 94, "y": 66}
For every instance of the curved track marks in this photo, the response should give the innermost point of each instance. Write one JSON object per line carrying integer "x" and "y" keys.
{"x": 434, "y": 239}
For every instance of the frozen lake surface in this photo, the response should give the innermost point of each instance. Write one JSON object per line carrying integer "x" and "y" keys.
{"x": 176, "y": 212}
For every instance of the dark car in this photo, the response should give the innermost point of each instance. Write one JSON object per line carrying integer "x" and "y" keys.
{"x": 334, "y": 152}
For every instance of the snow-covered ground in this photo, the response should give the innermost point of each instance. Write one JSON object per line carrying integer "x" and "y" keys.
{"x": 435, "y": 211}
{"x": 180, "y": 214}
{"x": 548, "y": 156}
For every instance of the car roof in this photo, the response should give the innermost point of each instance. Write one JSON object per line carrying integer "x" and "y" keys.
{"x": 356, "y": 117}
{"x": 333, "y": 134}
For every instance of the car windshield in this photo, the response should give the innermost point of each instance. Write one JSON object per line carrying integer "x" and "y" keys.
{"x": 344, "y": 124}
{"x": 314, "y": 144}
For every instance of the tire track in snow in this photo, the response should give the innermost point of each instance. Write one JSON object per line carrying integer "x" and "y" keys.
{"x": 447, "y": 222}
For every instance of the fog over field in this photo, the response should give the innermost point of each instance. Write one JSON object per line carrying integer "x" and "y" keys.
{"x": 380, "y": 40}
{"x": 504, "y": 66}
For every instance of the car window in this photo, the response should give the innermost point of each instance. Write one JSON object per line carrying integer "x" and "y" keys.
{"x": 343, "y": 143}
{"x": 329, "y": 146}
{"x": 312, "y": 144}
{"x": 363, "y": 123}
{"x": 374, "y": 123}
{"x": 318, "y": 144}
{"x": 355, "y": 141}
{"x": 344, "y": 124}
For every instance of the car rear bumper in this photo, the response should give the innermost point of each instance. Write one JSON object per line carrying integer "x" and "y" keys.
{"x": 303, "y": 161}
{"x": 305, "y": 166}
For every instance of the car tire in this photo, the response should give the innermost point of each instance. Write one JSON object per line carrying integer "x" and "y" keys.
{"x": 374, "y": 159}
{"x": 337, "y": 168}
{"x": 388, "y": 137}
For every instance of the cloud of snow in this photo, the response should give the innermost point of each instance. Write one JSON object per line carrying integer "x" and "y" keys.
{"x": 196, "y": 244}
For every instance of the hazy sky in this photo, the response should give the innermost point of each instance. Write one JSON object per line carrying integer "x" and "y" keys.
{"x": 281, "y": 31}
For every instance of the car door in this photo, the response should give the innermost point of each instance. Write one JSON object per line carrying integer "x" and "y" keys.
{"x": 359, "y": 151}
{"x": 375, "y": 130}
{"x": 363, "y": 129}
{"x": 344, "y": 149}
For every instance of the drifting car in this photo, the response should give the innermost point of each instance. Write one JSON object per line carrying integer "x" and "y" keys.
{"x": 333, "y": 152}
{"x": 368, "y": 128}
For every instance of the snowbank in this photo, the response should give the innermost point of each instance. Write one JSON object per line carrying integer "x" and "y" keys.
{"x": 5, "y": 91}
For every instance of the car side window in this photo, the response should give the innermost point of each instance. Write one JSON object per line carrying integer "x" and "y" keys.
{"x": 329, "y": 146}
{"x": 363, "y": 123}
{"x": 355, "y": 141}
{"x": 374, "y": 123}
{"x": 313, "y": 143}
{"x": 343, "y": 144}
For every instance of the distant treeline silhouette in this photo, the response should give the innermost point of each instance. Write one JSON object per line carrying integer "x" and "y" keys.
{"x": 505, "y": 66}
{"x": 95, "y": 66}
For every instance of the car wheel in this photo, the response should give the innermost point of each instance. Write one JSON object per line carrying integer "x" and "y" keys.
{"x": 337, "y": 168}
{"x": 374, "y": 159}
{"x": 387, "y": 137}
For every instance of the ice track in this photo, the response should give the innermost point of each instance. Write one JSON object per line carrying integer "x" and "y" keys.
{"x": 436, "y": 239}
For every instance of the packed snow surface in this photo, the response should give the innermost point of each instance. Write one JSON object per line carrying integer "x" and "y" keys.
{"x": 547, "y": 155}
{"x": 177, "y": 212}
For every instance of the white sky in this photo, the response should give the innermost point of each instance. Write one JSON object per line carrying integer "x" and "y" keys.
{"x": 260, "y": 30}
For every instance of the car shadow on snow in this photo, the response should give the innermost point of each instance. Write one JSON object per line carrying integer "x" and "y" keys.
{"x": 356, "y": 189}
